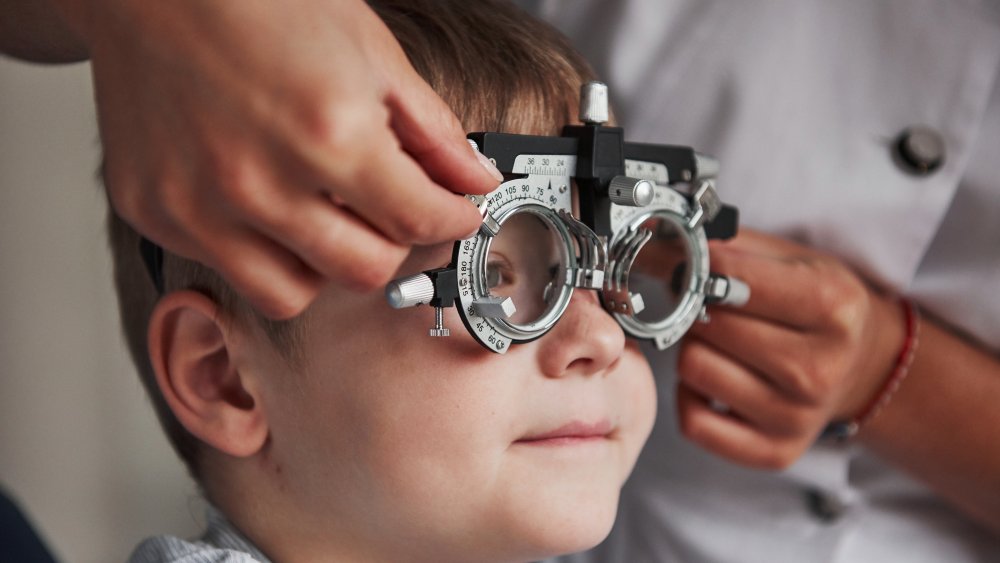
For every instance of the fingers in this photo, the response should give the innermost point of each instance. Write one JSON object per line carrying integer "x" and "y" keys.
{"x": 728, "y": 437}
{"x": 781, "y": 355}
{"x": 359, "y": 161}
{"x": 273, "y": 280}
{"x": 429, "y": 131}
{"x": 799, "y": 292}
{"x": 402, "y": 202}
{"x": 762, "y": 244}
{"x": 759, "y": 427}
{"x": 398, "y": 166}
{"x": 320, "y": 160}
{"x": 332, "y": 241}
{"x": 714, "y": 375}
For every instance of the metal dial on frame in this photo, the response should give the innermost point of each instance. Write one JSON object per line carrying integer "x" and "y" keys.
{"x": 634, "y": 227}
{"x": 487, "y": 316}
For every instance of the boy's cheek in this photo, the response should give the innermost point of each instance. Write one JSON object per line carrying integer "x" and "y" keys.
{"x": 639, "y": 395}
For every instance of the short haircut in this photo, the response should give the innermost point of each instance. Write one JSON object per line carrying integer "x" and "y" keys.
{"x": 496, "y": 67}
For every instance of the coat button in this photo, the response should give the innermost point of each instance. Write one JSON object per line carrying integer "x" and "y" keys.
{"x": 825, "y": 506}
{"x": 919, "y": 150}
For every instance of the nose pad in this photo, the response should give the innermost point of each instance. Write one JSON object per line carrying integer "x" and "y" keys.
{"x": 586, "y": 340}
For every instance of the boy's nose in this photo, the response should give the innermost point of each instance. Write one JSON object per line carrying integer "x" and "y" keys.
{"x": 585, "y": 341}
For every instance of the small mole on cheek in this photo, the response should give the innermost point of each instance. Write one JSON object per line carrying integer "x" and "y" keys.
{"x": 269, "y": 464}
{"x": 282, "y": 485}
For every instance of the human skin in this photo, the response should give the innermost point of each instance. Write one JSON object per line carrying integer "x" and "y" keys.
{"x": 390, "y": 445}
{"x": 285, "y": 145}
{"x": 813, "y": 345}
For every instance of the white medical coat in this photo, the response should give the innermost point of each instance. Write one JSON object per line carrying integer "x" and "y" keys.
{"x": 801, "y": 100}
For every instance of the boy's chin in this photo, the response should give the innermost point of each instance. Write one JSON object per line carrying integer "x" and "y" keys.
{"x": 568, "y": 525}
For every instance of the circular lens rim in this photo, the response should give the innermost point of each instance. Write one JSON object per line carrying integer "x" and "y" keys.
{"x": 668, "y": 330}
{"x": 524, "y": 332}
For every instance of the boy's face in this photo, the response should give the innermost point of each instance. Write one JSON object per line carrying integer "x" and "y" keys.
{"x": 438, "y": 448}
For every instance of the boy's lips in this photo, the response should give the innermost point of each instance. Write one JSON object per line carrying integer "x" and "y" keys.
{"x": 571, "y": 432}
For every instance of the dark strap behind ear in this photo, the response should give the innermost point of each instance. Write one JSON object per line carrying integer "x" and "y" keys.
{"x": 152, "y": 256}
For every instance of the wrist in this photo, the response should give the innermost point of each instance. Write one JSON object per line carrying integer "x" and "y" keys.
{"x": 876, "y": 392}
{"x": 878, "y": 352}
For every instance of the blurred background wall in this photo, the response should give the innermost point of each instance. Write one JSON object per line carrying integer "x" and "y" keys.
{"x": 80, "y": 449}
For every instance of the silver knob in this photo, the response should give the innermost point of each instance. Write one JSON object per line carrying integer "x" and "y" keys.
{"x": 632, "y": 192}
{"x": 594, "y": 103}
{"x": 706, "y": 167}
{"x": 727, "y": 290}
{"x": 409, "y": 291}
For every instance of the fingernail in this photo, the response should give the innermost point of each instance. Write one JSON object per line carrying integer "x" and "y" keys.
{"x": 480, "y": 211}
{"x": 489, "y": 166}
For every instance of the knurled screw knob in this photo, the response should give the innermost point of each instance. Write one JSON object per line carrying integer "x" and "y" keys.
{"x": 439, "y": 329}
{"x": 409, "y": 291}
{"x": 632, "y": 192}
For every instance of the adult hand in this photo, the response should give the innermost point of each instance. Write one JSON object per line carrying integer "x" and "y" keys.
{"x": 281, "y": 144}
{"x": 813, "y": 344}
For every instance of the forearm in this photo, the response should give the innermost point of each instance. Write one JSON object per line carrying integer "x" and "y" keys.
{"x": 943, "y": 424}
{"x": 34, "y": 30}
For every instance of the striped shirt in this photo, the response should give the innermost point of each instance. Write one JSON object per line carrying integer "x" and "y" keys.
{"x": 221, "y": 543}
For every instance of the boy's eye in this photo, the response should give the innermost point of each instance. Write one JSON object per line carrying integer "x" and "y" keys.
{"x": 498, "y": 274}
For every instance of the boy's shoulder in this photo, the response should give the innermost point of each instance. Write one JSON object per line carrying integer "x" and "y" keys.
{"x": 221, "y": 543}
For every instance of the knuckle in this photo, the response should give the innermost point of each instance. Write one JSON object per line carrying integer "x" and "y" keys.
{"x": 369, "y": 275}
{"x": 829, "y": 295}
{"x": 797, "y": 421}
{"x": 240, "y": 185}
{"x": 287, "y": 303}
{"x": 310, "y": 242}
{"x": 690, "y": 364}
{"x": 689, "y": 426}
{"x": 413, "y": 227}
{"x": 339, "y": 128}
{"x": 152, "y": 206}
{"x": 804, "y": 381}
{"x": 775, "y": 457}
{"x": 171, "y": 197}
{"x": 290, "y": 304}
{"x": 269, "y": 285}
{"x": 126, "y": 199}
{"x": 128, "y": 194}
{"x": 448, "y": 127}
{"x": 841, "y": 298}
{"x": 822, "y": 384}
{"x": 366, "y": 271}
{"x": 822, "y": 387}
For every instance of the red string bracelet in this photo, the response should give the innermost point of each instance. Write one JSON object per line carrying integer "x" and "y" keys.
{"x": 843, "y": 430}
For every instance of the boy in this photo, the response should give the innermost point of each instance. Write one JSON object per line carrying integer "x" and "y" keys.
{"x": 346, "y": 434}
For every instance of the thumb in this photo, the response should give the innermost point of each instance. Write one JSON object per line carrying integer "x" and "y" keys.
{"x": 430, "y": 132}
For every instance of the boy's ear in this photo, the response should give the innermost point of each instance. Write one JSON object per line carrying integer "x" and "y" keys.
{"x": 192, "y": 353}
